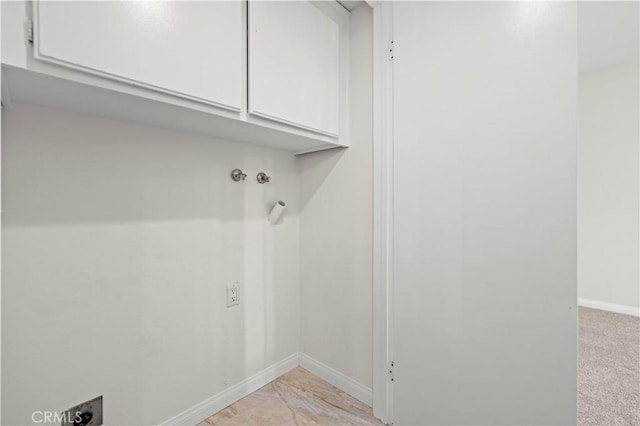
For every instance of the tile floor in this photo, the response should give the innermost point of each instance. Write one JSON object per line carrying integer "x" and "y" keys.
{"x": 296, "y": 398}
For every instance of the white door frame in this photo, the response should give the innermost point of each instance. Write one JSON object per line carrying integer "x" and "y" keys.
{"x": 382, "y": 208}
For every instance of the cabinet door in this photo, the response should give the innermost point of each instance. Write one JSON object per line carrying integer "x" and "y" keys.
{"x": 191, "y": 49}
{"x": 294, "y": 65}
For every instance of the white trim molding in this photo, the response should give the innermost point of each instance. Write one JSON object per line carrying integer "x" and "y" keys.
{"x": 336, "y": 378}
{"x": 611, "y": 307}
{"x": 225, "y": 398}
{"x": 382, "y": 208}
{"x": 221, "y": 400}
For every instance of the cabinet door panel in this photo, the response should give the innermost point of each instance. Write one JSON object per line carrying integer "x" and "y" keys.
{"x": 294, "y": 65}
{"x": 193, "y": 49}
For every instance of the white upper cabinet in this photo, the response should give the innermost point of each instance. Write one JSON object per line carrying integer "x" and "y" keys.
{"x": 264, "y": 72}
{"x": 295, "y": 65}
{"x": 195, "y": 50}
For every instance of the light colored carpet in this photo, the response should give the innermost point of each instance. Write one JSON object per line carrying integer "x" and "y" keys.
{"x": 608, "y": 369}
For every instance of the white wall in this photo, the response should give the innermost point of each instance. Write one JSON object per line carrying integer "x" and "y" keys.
{"x": 119, "y": 241}
{"x": 608, "y": 34}
{"x": 484, "y": 213}
{"x": 336, "y": 231}
{"x": 608, "y": 166}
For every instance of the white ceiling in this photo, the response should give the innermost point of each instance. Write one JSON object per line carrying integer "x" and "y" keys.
{"x": 608, "y": 33}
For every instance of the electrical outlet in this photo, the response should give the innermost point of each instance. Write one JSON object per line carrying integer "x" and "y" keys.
{"x": 86, "y": 414}
{"x": 233, "y": 294}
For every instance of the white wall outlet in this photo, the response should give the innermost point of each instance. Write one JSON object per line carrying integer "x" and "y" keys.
{"x": 233, "y": 294}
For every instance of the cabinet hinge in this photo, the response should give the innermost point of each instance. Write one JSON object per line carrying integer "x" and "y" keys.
{"x": 391, "y": 372}
{"x": 391, "y": 49}
{"x": 28, "y": 30}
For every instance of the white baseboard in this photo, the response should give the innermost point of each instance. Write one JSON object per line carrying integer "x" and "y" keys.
{"x": 337, "y": 379}
{"x": 611, "y": 307}
{"x": 221, "y": 400}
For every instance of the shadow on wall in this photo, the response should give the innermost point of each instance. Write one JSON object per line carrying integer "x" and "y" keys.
{"x": 317, "y": 166}
{"x": 65, "y": 170}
